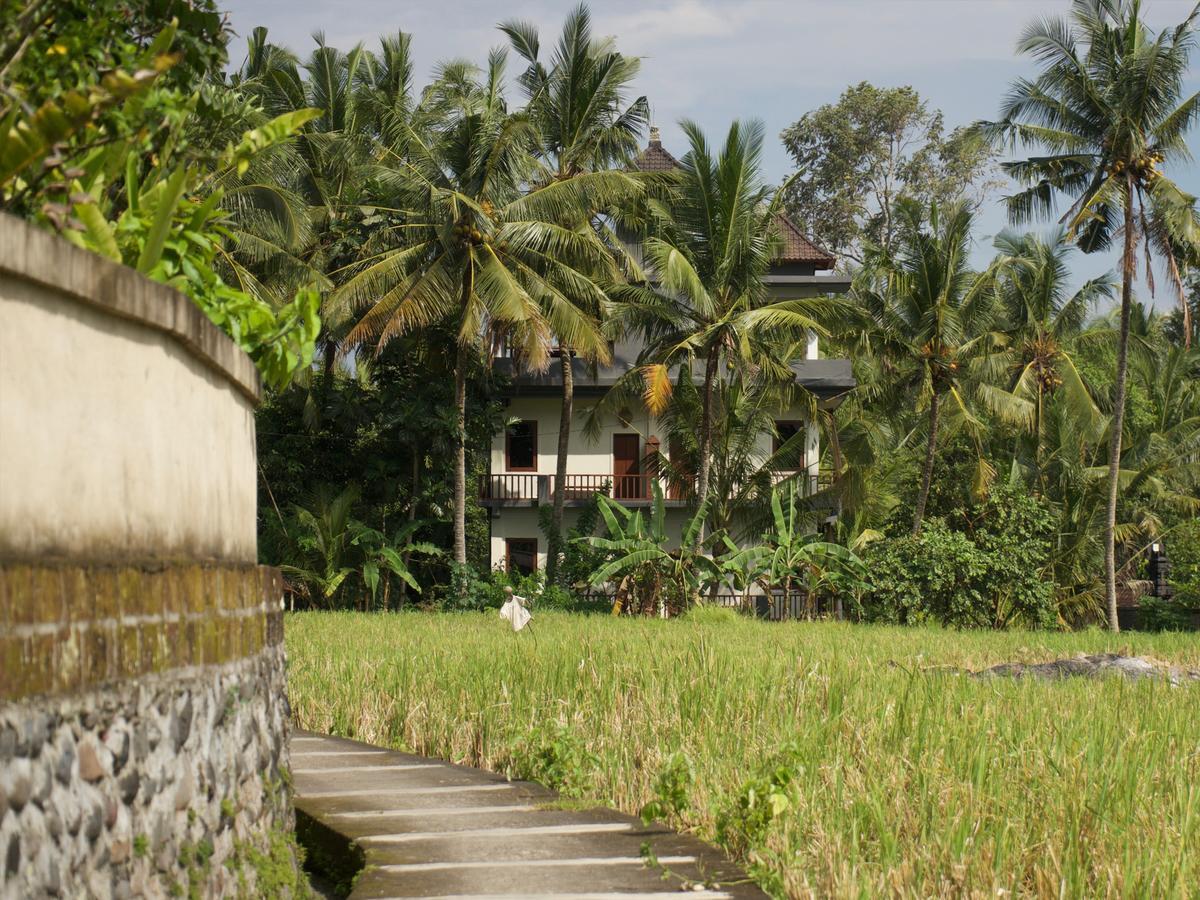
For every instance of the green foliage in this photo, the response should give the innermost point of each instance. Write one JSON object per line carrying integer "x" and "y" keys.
{"x": 553, "y": 754}
{"x": 855, "y": 157}
{"x": 983, "y": 569}
{"x": 578, "y": 558}
{"x": 332, "y": 559}
{"x": 1157, "y": 614}
{"x": 77, "y": 76}
{"x": 1183, "y": 547}
{"x": 648, "y": 577}
{"x": 672, "y": 792}
{"x": 168, "y": 233}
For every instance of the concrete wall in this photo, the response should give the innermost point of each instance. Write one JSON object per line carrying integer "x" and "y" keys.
{"x": 121, "y": 406}
{"x": 143, "y": 705}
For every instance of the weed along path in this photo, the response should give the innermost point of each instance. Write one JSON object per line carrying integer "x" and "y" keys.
{"x": 386, "y": 824}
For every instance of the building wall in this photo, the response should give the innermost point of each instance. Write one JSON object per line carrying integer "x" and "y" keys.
{"x": 593, "y": 455}
{"x": 143, "y": 704}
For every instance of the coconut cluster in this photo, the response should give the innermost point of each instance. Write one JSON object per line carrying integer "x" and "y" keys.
{"x": 1144, "y": 168}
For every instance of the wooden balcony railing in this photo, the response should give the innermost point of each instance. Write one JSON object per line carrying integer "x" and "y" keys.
{"x": 514, "y": 486}
{"x": 529, "y": 487}
{"x": 533, "y": 488}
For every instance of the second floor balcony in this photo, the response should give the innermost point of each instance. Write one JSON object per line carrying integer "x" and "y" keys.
{"x": 531, "y": 489}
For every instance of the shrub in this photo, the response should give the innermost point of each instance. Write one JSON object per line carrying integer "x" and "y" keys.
{"x": 1183, "y": 547}
{"x": 1164, "y": 615}
{"x": 986, "y": 573}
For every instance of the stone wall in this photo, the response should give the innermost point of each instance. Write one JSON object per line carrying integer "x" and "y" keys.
{"x": 143, "y": 705}
{"x": 143, "y": 737}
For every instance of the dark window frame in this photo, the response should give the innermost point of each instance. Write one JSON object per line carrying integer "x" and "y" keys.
{"x": 508, "y": 435}
{"x": 777, "y": 442}
{"x": 531, "y": 547}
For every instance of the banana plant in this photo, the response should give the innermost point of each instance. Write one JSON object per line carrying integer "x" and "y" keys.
{"x": 654, "y": 578}
{"x": 390, "y": 555}
{"x": 795, "y": 557}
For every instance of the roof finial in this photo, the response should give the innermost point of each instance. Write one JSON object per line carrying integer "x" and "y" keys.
{"x": 655, "y": 139}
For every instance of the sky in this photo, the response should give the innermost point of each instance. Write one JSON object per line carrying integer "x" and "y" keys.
{"x": 717, "y": 60}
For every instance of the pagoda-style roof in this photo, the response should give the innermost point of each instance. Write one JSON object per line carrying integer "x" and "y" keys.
{"x": 797, "y": 246}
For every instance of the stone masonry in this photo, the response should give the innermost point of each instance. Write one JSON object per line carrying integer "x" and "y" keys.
{"x": 171, "y": 783}
{"x": 143, "y": 708}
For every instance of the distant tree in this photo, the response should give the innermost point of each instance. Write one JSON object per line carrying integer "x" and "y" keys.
{"x": 1185, "y": 329}
{"x": 1042, "y": 323}
{"x": 1107, "y": 109}
{"x": 856, "y": 157}
{"x": 583, "y": 124}
{"x": 931, "y": 316}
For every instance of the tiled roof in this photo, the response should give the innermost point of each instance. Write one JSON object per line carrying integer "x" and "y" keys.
{"x": 797, "y": 248}
{"x": 655, "y": 158}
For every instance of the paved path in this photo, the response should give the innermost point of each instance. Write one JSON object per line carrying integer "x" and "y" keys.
{"x": 430, "y": 829}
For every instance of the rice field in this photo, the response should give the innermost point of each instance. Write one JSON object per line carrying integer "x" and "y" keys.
{"x": 830, "y": 759}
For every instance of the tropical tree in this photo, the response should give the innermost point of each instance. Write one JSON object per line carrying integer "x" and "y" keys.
{"x": 576, "y": 103}
{"x": 1108, "y": 109}
{"x": 365, "y": 107}
{"x": 708, "y": 251}
{"x": 931, "y": 315}
{"x": 469, "y": 246}
{"x": 1042, "y": 321}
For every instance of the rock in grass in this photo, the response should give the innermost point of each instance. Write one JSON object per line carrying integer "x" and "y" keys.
{"x": 1094, "y": 666}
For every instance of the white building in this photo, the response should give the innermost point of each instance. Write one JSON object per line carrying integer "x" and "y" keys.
{"x": 614, "y": 460}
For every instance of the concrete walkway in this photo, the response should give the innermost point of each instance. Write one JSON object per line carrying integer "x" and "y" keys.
{"x": 430, "y": 829}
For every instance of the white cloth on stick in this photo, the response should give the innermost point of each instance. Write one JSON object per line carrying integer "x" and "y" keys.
{"x": 514, "y": 610}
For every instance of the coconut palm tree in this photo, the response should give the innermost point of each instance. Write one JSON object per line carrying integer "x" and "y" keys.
{"x": 366, "y": 104}
{"x": 709, "y": 249}
{"x": 931, "y": 315}
{"x": 577, "y": 104}
{"x": 1041, "y": 324}
{"x": 1108, "y": 109}
{"x": 469, "y": 246}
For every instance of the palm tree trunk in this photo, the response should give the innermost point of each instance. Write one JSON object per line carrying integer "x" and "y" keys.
{"x": 412, "y": 514}
{"x": 927, "y": 472}
{"x": 460, "y": 457}
{"x": 1118, "y": 419}
{"x": 710, "y": 377}
{"x": 560, "y": 468}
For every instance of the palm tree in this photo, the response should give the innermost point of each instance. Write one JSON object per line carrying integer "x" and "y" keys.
{"x": 469, "y": 247}
{"x": 930, "y": 315}
{"x": 709, "y": 254}
{"x": 1107, "y": 109}
{"x": 365, "y": 103}
{"x": 583, "y": 124}
{"x": 1041, "y": 325}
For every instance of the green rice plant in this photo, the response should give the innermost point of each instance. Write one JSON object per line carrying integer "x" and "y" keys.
{"x": 829, "y": 759}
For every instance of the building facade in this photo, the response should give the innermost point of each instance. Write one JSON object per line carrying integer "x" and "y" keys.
{"x": 622, "y": 453}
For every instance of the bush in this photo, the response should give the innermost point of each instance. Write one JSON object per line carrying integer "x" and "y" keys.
{"x": 985, "y": 573}
{"x": 471, "y": 590}
{"x": 1183, "y": 548}
{"x": 1163, "y": 615}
